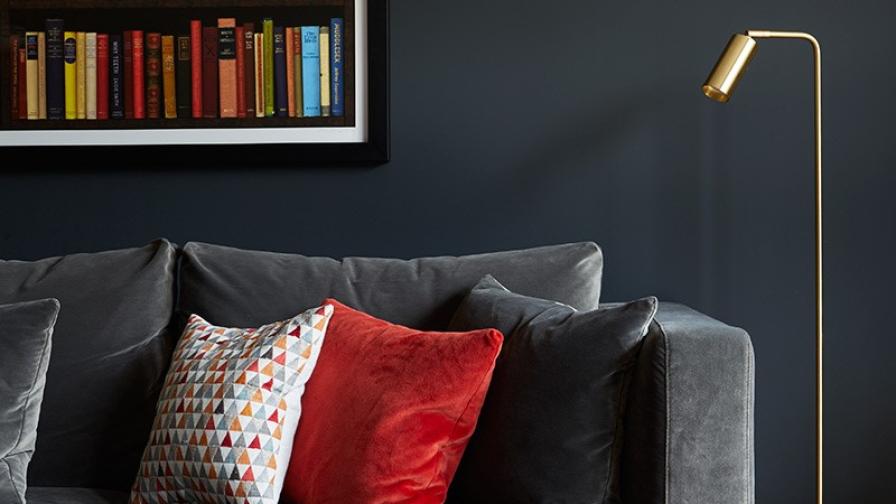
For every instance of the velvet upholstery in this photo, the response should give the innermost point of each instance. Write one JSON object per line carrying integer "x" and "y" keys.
{"x": 64, "y": 495}
{"x": 388, "y": 412}
{"x": 689, "y": 422}
{"x": 245, "y": 288}
{"x": 110, "y": 354}
{"x": 26, "y": 331}
{"x": 550, "y": 429}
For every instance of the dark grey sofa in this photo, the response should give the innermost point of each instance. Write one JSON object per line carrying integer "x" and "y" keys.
{"x": 688, "y": 428}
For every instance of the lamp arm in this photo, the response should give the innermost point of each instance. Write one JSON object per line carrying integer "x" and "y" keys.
{"x": 819, "y": 297}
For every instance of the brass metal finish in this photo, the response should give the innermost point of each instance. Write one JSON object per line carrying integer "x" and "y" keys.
{"x": 728, "y": 70}
{"x": 727, "y": 73}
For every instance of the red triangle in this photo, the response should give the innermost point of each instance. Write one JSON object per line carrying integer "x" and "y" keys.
{"x": 267, "y": 386}
{"x": 255, "y": 443}
{"x": 253, "y": 367}
{"x": 274, "y": 417}
{"x": 227, "y": 442}
{"x": 248, "y": 476}
{"x": 281, "y": 359}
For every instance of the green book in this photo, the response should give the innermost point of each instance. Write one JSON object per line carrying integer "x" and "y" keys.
{"x": 268, "y": 67}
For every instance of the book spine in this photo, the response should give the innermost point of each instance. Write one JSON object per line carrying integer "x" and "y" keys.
{"x": 128, "y": 65}
{"x": 116, "y": 77}
{"x": 31, "y": 87}
{"x": 23, "y": 81}
{"x": 184, "y": 82}
{"x": 325, "y": 71}
{"x": 249, "y": 33}
{"x": 268, "y": 40}
{"x": 227, "y": 90}
{"x": 337, "y": 86}
{"x": 102, "y": 76}
{"x": 90, "y": 76}
{"x": 240, "y": 72}
{"x": 81, "y": 84}
{"x": 153, "y": 75}
{"x": 70, "y": 54}
{"x": 139, "y": 84}
{"x": 259, "y": 75}
{"x": 55, "y": 69}
{"x": 196, "y": 69}
{"x": 281, "y": 97}
{"x": 297, "y": 64}
{"x": 290, "y": 70}
{"x": 311, "y": 70}
{"x": 14, "y": 90}
{"x": 169, "y": 84}
{"x": 210, "y": 72}
{"x": 41, "y": 75}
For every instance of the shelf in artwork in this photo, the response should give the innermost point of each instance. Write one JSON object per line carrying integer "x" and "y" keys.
{"x": 186, "y": 123}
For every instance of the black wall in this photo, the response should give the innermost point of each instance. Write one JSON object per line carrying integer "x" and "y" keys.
{"x": 526, "y": 123}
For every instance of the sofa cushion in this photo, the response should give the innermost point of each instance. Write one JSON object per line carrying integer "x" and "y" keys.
{"x": 245, "y": 288}
{"x": 110, "y": 353}
{"x": 388, "y": 412}
{"x": 229, "y": 411}
{"x": 549, "y": 429}
{"x": 63, "y": 495}
{"x": 25, "y": 334}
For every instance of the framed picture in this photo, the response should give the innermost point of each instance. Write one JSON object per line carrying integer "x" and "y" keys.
{"x": 178, "y": 83}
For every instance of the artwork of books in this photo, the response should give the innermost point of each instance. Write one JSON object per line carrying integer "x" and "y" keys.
{"x": 171, "y": 68}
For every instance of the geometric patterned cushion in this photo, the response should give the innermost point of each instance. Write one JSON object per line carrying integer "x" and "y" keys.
{"x": 228, "y": 412}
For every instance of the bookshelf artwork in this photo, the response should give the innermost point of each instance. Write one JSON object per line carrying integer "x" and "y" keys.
{"x": 181, "y": 72}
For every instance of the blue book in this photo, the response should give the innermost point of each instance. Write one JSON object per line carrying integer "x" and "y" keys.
{"x": 311, "y": 70}
{"x": 116, "y": 77}
{"x": 55, "y": 69}
{"x": 337, "y": 84}
{"x": 281, "y": 96}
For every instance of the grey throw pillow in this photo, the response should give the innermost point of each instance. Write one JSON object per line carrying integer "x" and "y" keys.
{"x": 25, "y": 333}
{"x": 549, "y": 429}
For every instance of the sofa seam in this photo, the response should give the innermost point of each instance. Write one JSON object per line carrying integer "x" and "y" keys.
{"x": 668, "y": 424}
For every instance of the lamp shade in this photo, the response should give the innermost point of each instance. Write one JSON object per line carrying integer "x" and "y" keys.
{"x": 732, "y": 63}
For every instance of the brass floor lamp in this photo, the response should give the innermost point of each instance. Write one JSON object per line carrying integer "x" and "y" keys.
{"x": 719, "y": 86}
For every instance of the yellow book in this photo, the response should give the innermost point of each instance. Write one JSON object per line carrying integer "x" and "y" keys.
{"x": 259, "y": 75}
{"x": 81, "y": 84}
{"x": 90, "y": 80}
{"x": 41, "y": 75}
{"x": 169, "y": 83}
{"x": 31, "y": 88}
{"x": 324, "y": 71}
{"x": 71, "y": 75}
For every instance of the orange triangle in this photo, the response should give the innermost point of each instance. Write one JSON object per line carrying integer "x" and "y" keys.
{"x": 247, "y": 411}
{"x": 256, "y": 397}
{"x": 268, "y": 370}
{"x": 244, "y": 458}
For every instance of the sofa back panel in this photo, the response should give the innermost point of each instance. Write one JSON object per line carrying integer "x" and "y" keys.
{"x": 111, "y": 350}
{"x": 236, "y": 287}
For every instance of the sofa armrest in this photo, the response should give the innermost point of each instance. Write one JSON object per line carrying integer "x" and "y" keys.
{"x": 688, "y": 427}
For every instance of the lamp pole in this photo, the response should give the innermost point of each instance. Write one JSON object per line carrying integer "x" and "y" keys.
{"x": 719, "y": 86}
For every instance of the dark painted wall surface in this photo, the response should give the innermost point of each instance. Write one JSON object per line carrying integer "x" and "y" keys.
{"x": 524, "y": 123}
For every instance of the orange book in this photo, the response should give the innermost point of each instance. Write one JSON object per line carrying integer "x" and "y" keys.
{"x": 227, "y": 67}
{"x": 290, "y": 72}
{"x": 169, "y": 89}
{"x": 259, "y": 75}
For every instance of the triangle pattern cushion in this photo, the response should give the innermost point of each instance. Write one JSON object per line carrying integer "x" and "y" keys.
{"x": 388, "y": 412}
{"x": 228, "y": 412}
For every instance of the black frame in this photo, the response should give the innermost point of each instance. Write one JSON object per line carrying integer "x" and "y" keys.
{"x": 377, "y": 150}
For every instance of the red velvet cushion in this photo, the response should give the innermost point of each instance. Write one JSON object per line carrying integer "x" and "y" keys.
{"x": 388, "y": 412}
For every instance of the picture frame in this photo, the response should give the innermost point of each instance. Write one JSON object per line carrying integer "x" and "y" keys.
{"x": 364, "y": 138}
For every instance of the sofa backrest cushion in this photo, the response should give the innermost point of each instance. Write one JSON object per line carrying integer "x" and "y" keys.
{"x": 244, "y": 288}
{"x": 110, "y": 353}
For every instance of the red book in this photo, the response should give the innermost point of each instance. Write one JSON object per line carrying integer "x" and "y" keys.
{"x": 139, "y": 75}
{"x": 249, "y": 68}
{"x": 14, "y": 89}
{"x": 196, "y": 64}
{"x": 128, "y": 64}
{"x": 23, "y": 84}
{"x": 240, "y": 72}
{"x": 210, "y": 72}
{"x": 102, "y": 76}
{"x": 153, "y": 56}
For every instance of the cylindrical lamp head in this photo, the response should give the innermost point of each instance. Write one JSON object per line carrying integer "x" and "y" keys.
{"x": 732, "y": 63}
